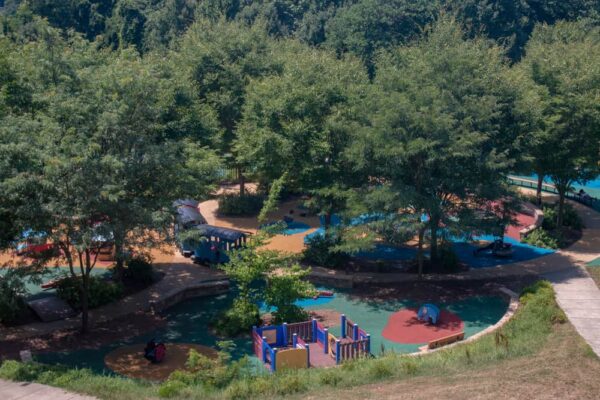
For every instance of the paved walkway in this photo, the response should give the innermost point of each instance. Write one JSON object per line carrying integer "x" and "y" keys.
{"x": 35, "y": 391}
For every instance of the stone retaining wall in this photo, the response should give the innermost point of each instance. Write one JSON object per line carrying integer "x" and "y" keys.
{"x": 535, "y": 212}
{"x": 203, "y": 289}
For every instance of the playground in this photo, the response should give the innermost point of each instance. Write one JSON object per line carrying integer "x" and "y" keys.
{"x": 385, "y": 314}
{"x": 303, "y": 227}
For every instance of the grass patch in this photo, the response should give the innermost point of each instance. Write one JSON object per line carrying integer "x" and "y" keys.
{"x": 595, "y": 274}
{"x": 526, "y": 334}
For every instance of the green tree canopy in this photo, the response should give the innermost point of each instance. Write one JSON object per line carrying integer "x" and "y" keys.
{"x": 563, "y": 65}
{"x": 441, "y": 137}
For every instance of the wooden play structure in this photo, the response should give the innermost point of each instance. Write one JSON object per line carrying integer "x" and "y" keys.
{"x": 309, "y": 344}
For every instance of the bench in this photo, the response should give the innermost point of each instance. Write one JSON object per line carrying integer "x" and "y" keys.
{"x": 434, "y": 344}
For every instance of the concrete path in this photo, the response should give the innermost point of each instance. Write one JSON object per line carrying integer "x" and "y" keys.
{"x": 577, "y": 293}
{"x": 35, "y": 391}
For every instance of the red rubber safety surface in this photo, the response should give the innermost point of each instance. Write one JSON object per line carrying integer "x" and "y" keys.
{"x": 404, "y": 327}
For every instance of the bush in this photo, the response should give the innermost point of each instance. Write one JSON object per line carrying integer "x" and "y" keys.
{"x": 235, "y": 205}
{"x": 571, "y": 218}
{"x": 101, "y": 291}
{"x": 240, "y": 318}
{"x": 541, "y": 238}
{"x": 449, "y": 260}
{"x": 210, "y": 373}
{"x": 140, "y": 270}
{"x": 318, "y": 251}
{"x": 12, "y": 293}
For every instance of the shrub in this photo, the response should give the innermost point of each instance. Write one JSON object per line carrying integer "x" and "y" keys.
{"x": 571, "y": 218}
{"x": 449, "y": 260}
{"x": 235, "y": 205}
{"x": 140, "y": 270}
{"x": 100, "y": 292}
{"x": 542, "y": 238}
{"x": 210, "y": 373}
{"x": 319, "y": 251}
{"x": 12, "y": 293}
{"x": 240, "y": 318}
{"x": 284, "y": 289}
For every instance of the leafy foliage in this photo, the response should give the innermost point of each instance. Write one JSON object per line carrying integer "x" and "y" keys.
{"x": 100, "y": 291}
{"x": 542, "y": 238}
{"x": 284, "y": 288}
{"x": 262, "y": 275}
{"x": 238, "y": 319}
{"x": 571, "y": 218}
{"x": 233, "y": 204}
{"x": 321, "y": 250}
{"x": 12, "y": 294}
{"x": 140, "y": 270}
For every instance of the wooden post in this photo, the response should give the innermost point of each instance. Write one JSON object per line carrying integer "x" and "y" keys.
{"x": 294, "y": 340}
{"x": 284, "y": 333}
{"x": 326, "y": 344}
{"x": 368, "y": 343}
{"x": 355, "y": 332}
{"x": 314, "y": 330}
{"x": 307, "y": 356}
{"x": 343, "y": 322}
{"x": 337, "y": 351}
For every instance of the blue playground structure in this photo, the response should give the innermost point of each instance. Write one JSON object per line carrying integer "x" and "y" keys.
{"x": 309, "y": 344}
{"x": 204, "y": 243}
{"x": 215, "y": 242}
{"x": 429, "y": 313}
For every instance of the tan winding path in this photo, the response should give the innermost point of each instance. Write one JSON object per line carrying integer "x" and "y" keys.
{"x": 35, "y": 391}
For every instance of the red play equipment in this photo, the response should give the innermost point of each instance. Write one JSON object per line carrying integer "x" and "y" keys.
{"x": 405, "y": 327}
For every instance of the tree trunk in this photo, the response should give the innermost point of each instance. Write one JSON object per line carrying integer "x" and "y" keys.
{"x": 85, "y": 285}
{"x": 420, "y": 251}
{"x": 561, "y": 209}
{"x": 242, "y": 182}
{"x": 119, "y": 258}
{"x": 538, "y": 193}
{"x": 85, "y": 291}
{"x": 434, "y": 224}
{"x": 327, "y": 220}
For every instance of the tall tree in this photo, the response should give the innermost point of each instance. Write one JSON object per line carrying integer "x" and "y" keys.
{"x": 371, "y": 25}
{"x": 563, "y": 63}
{"x": 443, "y": 132}
{"x": 223, "y": 58}
{"x": 300, "y": 122}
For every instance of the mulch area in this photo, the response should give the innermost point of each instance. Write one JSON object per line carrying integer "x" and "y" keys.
{"x": 99, "y": 335}
{"x": 129, "y": 360}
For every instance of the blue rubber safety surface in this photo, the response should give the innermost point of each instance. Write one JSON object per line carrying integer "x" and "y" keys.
{"x": 464, "y": 250}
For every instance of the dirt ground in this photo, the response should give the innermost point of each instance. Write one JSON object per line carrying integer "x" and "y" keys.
{"x": 565, "y": 369}
{"x": 100, "y": 335}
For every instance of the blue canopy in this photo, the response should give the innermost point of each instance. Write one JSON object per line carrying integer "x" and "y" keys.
{"x": 230, "y": 235}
